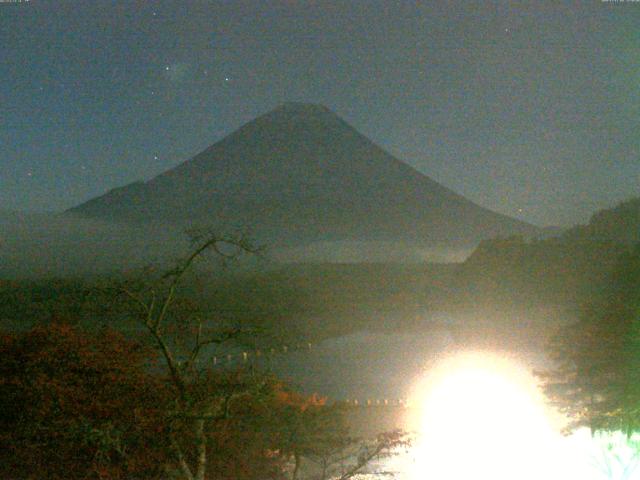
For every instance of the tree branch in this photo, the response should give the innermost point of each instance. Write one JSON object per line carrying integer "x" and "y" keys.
{"x": 201, "y": 447}
{"x": 184, "y": 467}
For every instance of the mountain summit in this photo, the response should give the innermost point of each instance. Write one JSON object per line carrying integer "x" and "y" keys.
{"x": 301, "y": 174}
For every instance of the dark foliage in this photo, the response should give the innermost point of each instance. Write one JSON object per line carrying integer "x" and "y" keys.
{"x": 74, "y": 405}
{"x": 597, "y": 376}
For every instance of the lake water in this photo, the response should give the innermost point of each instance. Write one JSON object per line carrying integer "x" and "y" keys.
{"x": 510, "y": 435}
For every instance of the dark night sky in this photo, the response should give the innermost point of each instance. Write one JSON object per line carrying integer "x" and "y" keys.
{"x": 530, "y": 109}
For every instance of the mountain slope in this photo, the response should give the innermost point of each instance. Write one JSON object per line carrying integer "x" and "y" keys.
{"x": 570, "y": 269}
{"x": 300, "y": 174}
{"x": 620, "y": 223}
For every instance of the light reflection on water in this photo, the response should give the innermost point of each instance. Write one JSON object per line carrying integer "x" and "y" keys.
{"x": 489, "y": 422}
{"x": 579, "y": 456}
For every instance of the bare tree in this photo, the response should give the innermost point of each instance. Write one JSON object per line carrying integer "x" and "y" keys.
{"x": 198, "y": 400}
{"x": 318, "y": 440}
{"x": 182, "y": 335}
{"x": 355, "y": 456}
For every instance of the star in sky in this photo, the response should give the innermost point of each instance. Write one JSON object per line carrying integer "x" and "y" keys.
{"x": 177, "y": 72}
{"x": 431, "y": 83}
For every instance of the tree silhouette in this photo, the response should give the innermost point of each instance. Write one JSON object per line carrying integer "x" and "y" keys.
{"x": 596, "y": 380}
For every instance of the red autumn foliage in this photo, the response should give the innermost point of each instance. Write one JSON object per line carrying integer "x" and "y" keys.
{"x": 298, "y": 401}
{"x": 78, "y": 405}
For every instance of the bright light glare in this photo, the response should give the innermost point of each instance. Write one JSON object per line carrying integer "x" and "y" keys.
{"x": 482, "y": 417}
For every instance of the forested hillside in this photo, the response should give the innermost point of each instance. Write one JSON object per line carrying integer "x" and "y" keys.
{"x": 563, "y": 270}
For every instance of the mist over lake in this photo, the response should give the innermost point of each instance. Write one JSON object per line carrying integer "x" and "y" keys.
{"x": 319, "y": 240}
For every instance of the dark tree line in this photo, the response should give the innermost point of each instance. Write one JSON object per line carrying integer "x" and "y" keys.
{"x": 597, "y": 376}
